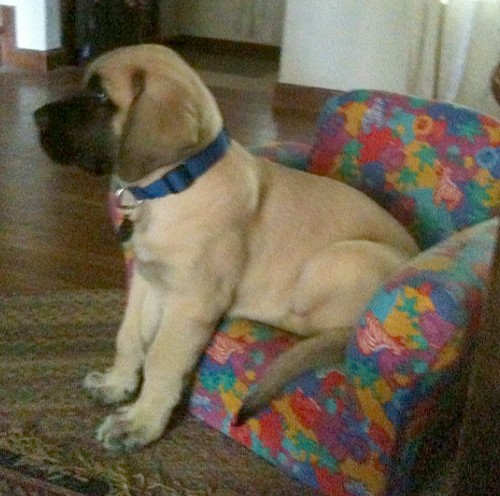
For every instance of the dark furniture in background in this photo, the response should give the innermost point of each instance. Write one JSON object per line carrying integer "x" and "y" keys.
{"x": 102, "y": 25}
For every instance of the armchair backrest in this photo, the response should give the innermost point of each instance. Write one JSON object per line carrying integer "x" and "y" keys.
{"x": 435, "y": 166}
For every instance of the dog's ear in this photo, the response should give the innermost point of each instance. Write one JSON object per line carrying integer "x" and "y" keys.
{"x": 161, "y": 128}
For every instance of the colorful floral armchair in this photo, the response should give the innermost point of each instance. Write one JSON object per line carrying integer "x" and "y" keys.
{"x": 356, "y": 429}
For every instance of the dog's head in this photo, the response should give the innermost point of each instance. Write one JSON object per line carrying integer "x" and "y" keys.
{"x": 141, "y": 108}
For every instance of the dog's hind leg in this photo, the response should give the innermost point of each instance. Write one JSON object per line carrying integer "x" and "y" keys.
{"x": 331, "y": 292}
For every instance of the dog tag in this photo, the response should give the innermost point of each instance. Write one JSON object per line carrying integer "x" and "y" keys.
{"x": 126, "y": 230}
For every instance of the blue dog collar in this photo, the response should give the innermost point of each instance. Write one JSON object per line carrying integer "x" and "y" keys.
{"x": 180, "y": 178}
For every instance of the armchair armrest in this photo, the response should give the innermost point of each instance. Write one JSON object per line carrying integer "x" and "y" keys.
{"x": 411, "y": 339}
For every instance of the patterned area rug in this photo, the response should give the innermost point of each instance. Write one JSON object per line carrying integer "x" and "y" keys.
{"x": 48, "y": 344}
{"x": 47, "y": 448}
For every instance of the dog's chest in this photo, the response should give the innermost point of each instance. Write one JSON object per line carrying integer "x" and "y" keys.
{"x": 156, "y": 258}
{"x": 165, "y": 251}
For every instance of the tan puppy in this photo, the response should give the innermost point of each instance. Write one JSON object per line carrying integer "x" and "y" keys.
{"x": 247, "y": 238}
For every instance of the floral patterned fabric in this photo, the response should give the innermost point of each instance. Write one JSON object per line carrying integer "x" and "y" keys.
{"x": 355, "y": 429}
{"x": 435, "y": 166}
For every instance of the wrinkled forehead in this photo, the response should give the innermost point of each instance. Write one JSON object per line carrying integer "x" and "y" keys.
{"x": 123, "y": 63}
{"x": 121, "y": 72}
{"x": 125, "y": 74}
{"x": 115, "y": 81}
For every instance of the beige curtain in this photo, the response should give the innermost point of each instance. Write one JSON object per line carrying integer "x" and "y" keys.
{"x": 454, "y": 48}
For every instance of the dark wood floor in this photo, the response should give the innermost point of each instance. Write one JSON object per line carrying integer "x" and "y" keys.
{"x": 54, "y": 229}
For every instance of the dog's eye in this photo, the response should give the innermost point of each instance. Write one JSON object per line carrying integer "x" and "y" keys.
{"x": 101, "y": 96}
{"x": 96, "y": 89}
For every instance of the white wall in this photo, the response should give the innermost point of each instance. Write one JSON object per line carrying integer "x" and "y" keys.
{"x": 38, "y": 24}
{"x": 346, "y": 44}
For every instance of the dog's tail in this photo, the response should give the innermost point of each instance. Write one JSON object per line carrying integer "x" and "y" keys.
{"x": 318, "y": 351}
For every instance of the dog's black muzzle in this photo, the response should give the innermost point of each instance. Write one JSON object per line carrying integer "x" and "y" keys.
{"x": 78, "y": 131}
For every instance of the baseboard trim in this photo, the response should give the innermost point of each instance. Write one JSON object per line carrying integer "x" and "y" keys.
{"x": 304, "y": 98}
{"x": 36, "y": 61}
{"x": 33, "y": 60}
{"x": 217, "y": 45}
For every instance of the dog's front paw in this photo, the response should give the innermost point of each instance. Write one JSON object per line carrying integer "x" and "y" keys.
{"x": 130, "y": 429}
{"x": 111, "y": 388}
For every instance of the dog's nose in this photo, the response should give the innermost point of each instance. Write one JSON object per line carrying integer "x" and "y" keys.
{"x": 42, "y": 119}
